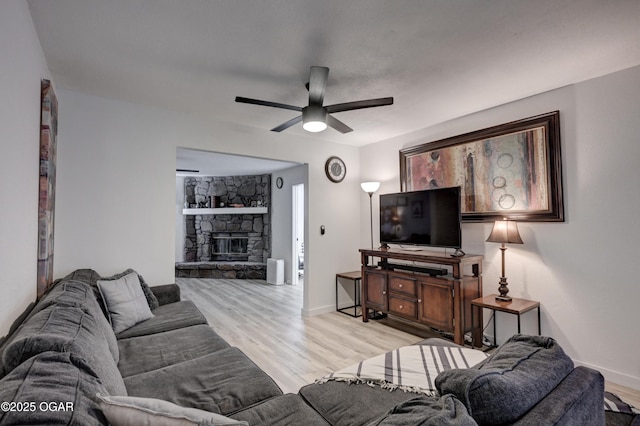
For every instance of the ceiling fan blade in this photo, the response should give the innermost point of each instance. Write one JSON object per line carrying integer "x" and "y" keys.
{"x": 267, "y": 103}
{"x": 317, "y": 84}
{"x": 338, "y": 125}
{"x": 369, "y": 103}
{"x": 287, "y": 124}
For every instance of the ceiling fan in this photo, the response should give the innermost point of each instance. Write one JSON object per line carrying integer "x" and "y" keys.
{"x": 315, "y": 117}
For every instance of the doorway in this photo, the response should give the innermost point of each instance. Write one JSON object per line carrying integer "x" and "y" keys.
{"x": 297, "y": 233}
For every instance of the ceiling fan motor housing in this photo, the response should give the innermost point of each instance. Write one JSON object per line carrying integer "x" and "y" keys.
{"x": 314, "y": 118}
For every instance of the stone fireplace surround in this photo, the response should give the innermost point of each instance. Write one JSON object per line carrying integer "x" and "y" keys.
{"x": 227, "y": 245}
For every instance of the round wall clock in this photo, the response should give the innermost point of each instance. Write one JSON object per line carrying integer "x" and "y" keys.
{"x": 335, "y": 169}
{"x": 279, "y": 182}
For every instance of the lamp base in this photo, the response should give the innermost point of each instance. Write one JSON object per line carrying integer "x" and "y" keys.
{"x": 503, "y": 289}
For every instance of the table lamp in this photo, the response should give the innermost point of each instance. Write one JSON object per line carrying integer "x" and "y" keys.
{"x": 504, "y": 231}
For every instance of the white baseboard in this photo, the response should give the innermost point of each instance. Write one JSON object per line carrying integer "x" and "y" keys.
{"x": 614, "y": 376}
{"x": 317, "y": 311}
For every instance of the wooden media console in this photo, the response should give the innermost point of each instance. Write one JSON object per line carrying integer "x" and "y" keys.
{"x": 426, "y": 287}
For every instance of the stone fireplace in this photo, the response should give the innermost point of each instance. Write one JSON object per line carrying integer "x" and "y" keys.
{"x": 228, "y": 240}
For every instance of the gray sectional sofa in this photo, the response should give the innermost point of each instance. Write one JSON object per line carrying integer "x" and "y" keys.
{"x": 63, "y": 352}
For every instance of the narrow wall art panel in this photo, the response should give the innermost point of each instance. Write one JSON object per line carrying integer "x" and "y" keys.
{"x": 47, "y": 185}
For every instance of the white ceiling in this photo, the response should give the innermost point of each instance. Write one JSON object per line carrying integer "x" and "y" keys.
{"x": 439, "y": 59}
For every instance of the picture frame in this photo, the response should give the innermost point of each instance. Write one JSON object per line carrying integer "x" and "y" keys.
{"x": 47, "y": 185}
{"x": 512, "y": 170}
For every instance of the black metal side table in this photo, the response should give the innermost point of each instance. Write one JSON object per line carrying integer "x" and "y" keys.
{"x": 356, "y": 278}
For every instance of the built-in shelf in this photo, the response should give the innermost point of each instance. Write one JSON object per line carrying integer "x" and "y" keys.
{"x": 227, "y": 210}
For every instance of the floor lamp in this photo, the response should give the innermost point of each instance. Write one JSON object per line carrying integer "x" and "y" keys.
{"x": 504, "y": 231}
{"x": 370, "y": 188}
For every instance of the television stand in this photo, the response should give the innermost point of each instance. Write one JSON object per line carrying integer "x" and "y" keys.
{"x": 414, "y": 293}
{"x": 434, "y": 272}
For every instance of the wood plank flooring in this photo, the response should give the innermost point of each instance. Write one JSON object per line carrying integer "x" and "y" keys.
{"x": 264, "y": 322}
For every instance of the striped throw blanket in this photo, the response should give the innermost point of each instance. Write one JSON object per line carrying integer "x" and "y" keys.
{"x": 612, "y": 402}
{"x": 410, "y": 368}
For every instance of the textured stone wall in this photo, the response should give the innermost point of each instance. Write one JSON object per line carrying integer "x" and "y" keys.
{"x": 200, "y": 229}
{"x": 229, "y": 190}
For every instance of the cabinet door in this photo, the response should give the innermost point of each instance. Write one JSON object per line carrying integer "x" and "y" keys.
{"x": 375, "y": 290}
{"x": 436, "y": 304}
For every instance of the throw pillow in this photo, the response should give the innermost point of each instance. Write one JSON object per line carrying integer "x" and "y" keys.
{"x": 125, "y": 302}
{"x": 502, "y": 388}
{"x": 135, "y": 411}
{"x": 152, "y": 300}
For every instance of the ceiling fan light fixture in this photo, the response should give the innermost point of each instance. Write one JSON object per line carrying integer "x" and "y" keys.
{"x": 314, "y": 118}
{"x": 314, "y": 126}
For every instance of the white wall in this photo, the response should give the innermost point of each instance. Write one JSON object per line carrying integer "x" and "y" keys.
{"x": 583, "y": 270}
{"x": 282, "y": 214}
{"x": 21, "y": 68}
{"x": 116, "y": 190}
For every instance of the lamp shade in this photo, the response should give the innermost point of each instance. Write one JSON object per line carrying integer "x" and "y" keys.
{"x": 505, "y": 231}
{"x": 370, "y": 187}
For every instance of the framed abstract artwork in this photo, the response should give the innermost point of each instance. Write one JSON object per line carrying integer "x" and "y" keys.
{"x": 512, "y": 170}
{"x": 47, "y": 185}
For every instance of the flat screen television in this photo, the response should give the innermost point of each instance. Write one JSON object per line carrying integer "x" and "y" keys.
{"x": 424, "y": 218}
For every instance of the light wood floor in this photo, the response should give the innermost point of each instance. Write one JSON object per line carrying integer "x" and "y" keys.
{"x": 264, "y": 322}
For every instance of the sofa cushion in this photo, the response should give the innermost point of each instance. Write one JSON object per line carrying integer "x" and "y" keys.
{"x": 167, "y": 317}
{"x": 58, "y": 378}
{"x": 502, "y": 388}
{"x": 282, "y": 410}
{"x": 576, "y": 401}
{"x": 68, "y": 292}
{"x": 5, "y": 340}
{"x": 151, "y": 298}
{"x": 65, "y": 329}
{"x": 147, "y": 353}
{"x": 166, "y": 293}
{"x": 343, "y": 404}
{"x": 427, "y": 411}
{"x": 80, "y": 294}
{"x": 88, "y": 276}
{"x": 125, "y": 301}
{"x": 134, "y": 411}
{"x": 223, "y": 382}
